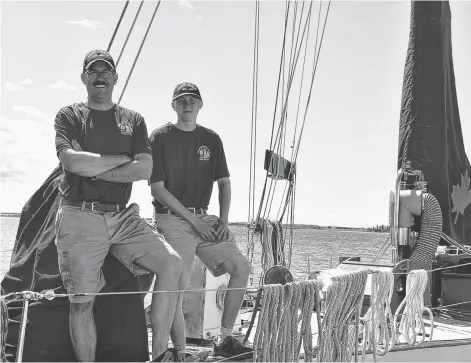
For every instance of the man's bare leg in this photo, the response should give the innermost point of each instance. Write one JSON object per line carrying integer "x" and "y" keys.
{"x": 177, "y": 332}
{"x": 168, "y": 269}
{"x": 83, "y": 331}
{"x": 239, "y": 270}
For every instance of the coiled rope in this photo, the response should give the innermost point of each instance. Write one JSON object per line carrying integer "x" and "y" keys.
{"x": 337, "y": 337}
{"x": 277, "y": 337}
{"x": 376, "y": 334}
{"x": 273, "y": 244}
{"x": 413, "y": 306}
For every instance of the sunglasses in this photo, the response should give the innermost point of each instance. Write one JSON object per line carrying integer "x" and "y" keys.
{"x": 104, "y": 74}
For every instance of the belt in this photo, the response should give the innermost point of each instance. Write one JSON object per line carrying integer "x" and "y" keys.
{"x": 95, "y": 207}
{"x": 191, "y": 209}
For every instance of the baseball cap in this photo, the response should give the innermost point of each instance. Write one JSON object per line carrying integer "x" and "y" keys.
{"x": 186, "y": 88}
{"x": 98, "y": 55}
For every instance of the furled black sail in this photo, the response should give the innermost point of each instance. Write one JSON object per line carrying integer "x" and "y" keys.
{"x": 430, "y": 135}
{"x": 120, "y": 319}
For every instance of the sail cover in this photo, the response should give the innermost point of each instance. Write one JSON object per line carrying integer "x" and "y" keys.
{"x": 430, "y": 135}
{"x": 120, "y": 319}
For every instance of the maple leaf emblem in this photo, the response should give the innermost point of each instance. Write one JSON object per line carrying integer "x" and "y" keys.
{"x": 461, "y": 195}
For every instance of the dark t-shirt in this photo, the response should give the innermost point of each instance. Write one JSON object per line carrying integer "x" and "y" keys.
{"x": 189, "y": 162}
{"x": 100, "y": 134}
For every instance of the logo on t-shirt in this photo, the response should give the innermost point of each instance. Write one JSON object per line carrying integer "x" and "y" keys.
{"x": 125, "y": 128}
{"x": 204, "y": 153}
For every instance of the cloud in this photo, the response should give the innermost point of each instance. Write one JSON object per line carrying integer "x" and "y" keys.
{"x": 87, "y": 23}
{"x": 62, "y": 85}
{"x": 31, "y": 112}
{"x": 18, "y": 86}
{"x": 185, "y": 4}
{"x": 28, "y": 151}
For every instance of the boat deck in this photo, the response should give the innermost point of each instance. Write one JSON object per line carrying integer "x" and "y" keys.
{"x": 451, "y": 342}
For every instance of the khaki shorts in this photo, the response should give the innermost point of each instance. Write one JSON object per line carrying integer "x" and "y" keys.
{"x": 187, "y": 243}
{"x": 84, "y": 238}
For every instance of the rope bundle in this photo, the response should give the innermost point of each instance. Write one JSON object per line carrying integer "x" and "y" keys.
{"x": 413, "y": 305}
{"x": 277, "y": 337}
{"x": 377, "y": 334}
{"x": 343, "y": 300}
{"x": 273, "y": 244}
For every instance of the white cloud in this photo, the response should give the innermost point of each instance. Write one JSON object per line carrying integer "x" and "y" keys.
{"x": 87, "y": 23}
{"x": 28, "y": 156}
{"x": 31, "y": 112}
{"x": 62, "y": 85}
{"x": 185, "y": 4}
{"x": 18, "y": 86}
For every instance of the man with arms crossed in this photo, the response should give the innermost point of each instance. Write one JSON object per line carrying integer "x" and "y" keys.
{"x": 188, "y": 159}
{"x": 104, "y": 148}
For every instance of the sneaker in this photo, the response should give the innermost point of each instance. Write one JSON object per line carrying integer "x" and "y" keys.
{"x": 175, "y": 355}
{"x": 230, "y": 347}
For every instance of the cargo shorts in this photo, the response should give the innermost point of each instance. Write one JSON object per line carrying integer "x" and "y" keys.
{"x": 84, "y": 238}
{"x": 186, "y": 241}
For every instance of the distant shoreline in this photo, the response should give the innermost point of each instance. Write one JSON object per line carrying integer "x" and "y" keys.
{"x": 243, "y": 224}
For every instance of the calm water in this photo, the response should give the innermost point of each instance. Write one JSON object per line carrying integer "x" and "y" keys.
{"x": 321, "y": 245}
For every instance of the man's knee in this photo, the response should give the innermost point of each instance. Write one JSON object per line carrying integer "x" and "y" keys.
{"x": 81, "y": 308}
{"x": 238, "y": 267}
{"x": 170, "y": 266}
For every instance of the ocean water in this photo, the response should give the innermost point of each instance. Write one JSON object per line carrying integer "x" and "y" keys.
{"x": 323, "y": 246}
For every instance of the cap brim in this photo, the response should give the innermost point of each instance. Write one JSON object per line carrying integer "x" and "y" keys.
{"x": 185, "y": 94}
{"x": 100, "y": 60}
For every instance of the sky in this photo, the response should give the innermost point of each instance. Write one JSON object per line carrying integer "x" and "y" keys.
{"x": 347, "y": 159}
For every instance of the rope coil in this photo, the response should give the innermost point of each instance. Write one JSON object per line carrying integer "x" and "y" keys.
{"x": 413, "y": 305}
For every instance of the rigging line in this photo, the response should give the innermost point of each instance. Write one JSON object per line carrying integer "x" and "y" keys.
{"x": 300, "y": 89}
{"x": 315, "y": 57}
{"x": 254, "y": 120}
{"x": 291, "y": 61}
{"x": 312, "y": 82}
{"x": 285, "y": 101}
{"x": 139, "y": 51}
{"x": 293, "y": 205}
{"x": 271, "y": 191}
{"x": 117, "y": 25}
{"x": 279, "y": 73}
{"x": 129, "y": 33}
{"x": 274, "y": 114}
{"x": 281, "y": 204}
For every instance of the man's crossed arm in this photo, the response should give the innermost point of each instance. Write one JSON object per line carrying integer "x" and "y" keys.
{"x": 112, "y": 168}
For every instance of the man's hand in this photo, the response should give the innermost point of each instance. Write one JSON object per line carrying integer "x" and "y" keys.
{"x": 204, "y": 229}
{"x": 222, "y": 231}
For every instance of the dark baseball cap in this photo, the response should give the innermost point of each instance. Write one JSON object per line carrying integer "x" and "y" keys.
{"x": 186, "y": 88}
{"x": 98, "y": 55}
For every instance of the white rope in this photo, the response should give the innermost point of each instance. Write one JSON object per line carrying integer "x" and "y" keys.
{"x": 277, "y": 337}
{"x": 377, "y": 334}
{"x": 413, "y": 305}
{"x": 343, "y": 300}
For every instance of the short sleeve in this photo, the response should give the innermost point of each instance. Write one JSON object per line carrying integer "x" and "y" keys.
{"x": 66, "y": 130}
{"x": 156, "y": 145}
{"x": 140, "y": 139}
{"x": 221, "y": 165}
